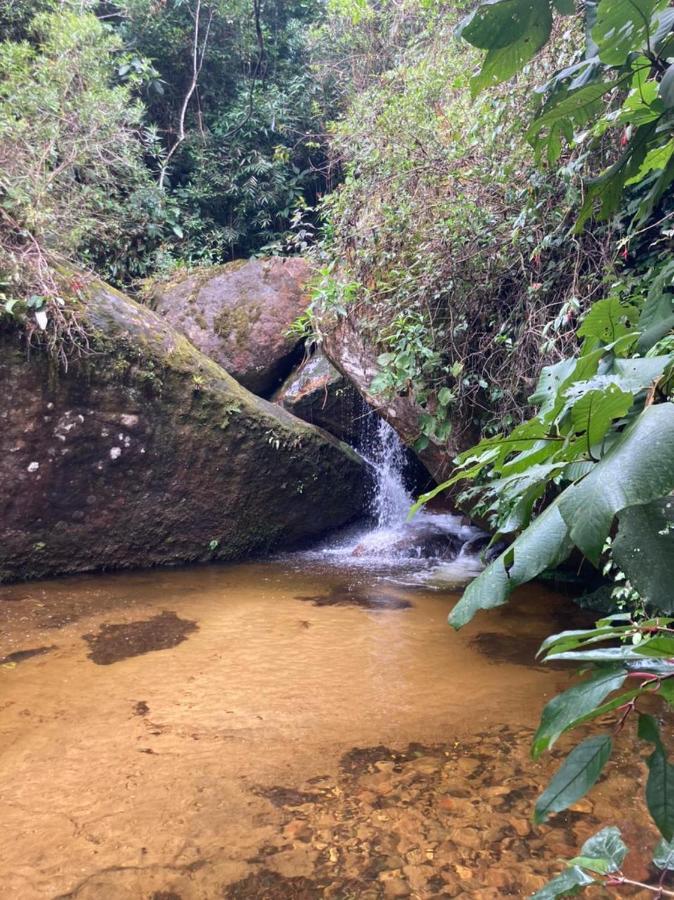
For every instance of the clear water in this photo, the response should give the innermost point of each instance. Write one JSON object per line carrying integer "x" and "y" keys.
{"x": 286, "y": 730}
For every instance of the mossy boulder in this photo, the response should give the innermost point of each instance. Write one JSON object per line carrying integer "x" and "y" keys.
{"x": 146, "y": 452}
{"x": 239, "y": 315}
{"x": 318, "y": 393}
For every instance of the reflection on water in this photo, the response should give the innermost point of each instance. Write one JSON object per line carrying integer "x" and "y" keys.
{"x": 251, "y": 744}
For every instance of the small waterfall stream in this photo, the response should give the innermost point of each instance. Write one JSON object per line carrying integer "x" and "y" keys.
{"x": 383, "y": 450}
{"x": 428, "y": 549}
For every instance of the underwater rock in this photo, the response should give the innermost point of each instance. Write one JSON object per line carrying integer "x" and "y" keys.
{"x": 239, "y": 314}
{"x": 146, "y": 452}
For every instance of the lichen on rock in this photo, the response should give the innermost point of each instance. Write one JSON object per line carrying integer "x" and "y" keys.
{"x": 147, "y": 452}
{"x": 239, "y": 314}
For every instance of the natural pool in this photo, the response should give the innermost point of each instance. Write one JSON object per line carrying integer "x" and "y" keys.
{"x": 297, "y": 728}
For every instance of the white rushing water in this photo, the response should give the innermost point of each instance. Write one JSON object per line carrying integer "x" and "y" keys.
{"x": 425, "y": 550}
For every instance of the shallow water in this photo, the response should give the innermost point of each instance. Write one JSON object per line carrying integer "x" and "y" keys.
{"x": 298, "y": 728}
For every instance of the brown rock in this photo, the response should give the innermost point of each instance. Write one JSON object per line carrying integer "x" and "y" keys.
{"x": 239, "y": 314}
{"x": 148, "y": 453}
{"x": 318, "y": 393}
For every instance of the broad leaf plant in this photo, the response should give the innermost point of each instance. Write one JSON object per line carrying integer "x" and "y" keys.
{"x": 590, "y": 475}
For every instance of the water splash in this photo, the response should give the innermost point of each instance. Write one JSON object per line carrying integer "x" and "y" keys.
{"x": 384, "y": 451}
{"x": 426, "y": 551}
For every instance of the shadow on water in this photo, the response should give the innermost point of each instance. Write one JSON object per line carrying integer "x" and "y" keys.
{"x": 21, "y": 655}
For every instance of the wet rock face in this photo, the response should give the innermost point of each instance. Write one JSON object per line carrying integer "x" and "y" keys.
{"x": 239, "y": 314}
{"x": 318, "y": 393}
{"x": 146, "y": 452}
{"x": 350, "y": 352}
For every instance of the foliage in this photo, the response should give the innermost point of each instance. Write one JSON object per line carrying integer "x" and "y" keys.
{"x": 457, "y": 242}
{"x": 136, "y": 137}
{"x": 73, "y": 180}
{"x": 252, "y": 151}
{"x": 593, "y": 470}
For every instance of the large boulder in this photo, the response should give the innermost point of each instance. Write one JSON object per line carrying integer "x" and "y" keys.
{"x": 147, "y": 452}
{"x": 318, "y": 393}
{"x": 239, "y": 315}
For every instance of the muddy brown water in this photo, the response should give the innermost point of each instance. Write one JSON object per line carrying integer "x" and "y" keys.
{"x": 279, "y": 730}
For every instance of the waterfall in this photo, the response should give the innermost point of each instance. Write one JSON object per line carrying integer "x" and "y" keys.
{"x": 426, "y": 550}
{"x": 383, "y": 450}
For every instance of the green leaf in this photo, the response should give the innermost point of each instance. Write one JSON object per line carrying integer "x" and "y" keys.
{"x": 608, "y": 320}
{"x": 660, "y": 792}
{"x": 636, "y": 374}
{"x": 502, "y": 62}
{"x": 605, "y": 655}
{"x": 445, "y": 396}
{"x": 666, "y": 89}
{"x": 544, "y": 544}
{"x": 656, "y": 158}
{"x": 496, "y": 23}
{"x": 648, "y": 730}
{"x": 637, "y": 469}
{"x": 659, "y": 647}
{"x": 578, "y": 773}
{"x": 657, "y": 315}
{"x": 608, "y": 847}
{"x": 622, "y": 27}
{"x": 594, "y": 412}
{"x": 571, "y": 882}
{"x": 578, "y": 106}
{"x": 663, "y": 857}
{"x": 569, "y": 640}
{"x": 644, "y": 550}
{"x": 574, "y": 705}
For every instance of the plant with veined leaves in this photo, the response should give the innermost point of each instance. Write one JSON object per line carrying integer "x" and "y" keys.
{"x": 593, "y": 470}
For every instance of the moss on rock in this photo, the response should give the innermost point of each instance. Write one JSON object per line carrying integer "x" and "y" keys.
{"x": 147, "y": 452}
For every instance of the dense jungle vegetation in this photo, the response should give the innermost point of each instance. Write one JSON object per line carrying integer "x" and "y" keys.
{"x": 486, "y": 190}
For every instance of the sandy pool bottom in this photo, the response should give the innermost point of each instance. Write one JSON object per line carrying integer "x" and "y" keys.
{"x": 278, "y": 731}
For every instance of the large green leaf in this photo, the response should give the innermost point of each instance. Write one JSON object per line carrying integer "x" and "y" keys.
{"x": 660, "y": 792}
{"x": 622, "y": 27}
{"x": 608, "y": 320}
{"x": 635, "y": 374}
{"x": 577, "y": 106}
{"x": 663, "y": 857}
{"x": 567, "y": 709}
{"x": 570, "y": 640}
{"x": 593, "y": 413}
{"x": 644, "y": 550}
{"x": 604, "y": 852}
{"x": 637, "y": 469}
{"x": 571, "y": 882}
{"x": 544, "y": 544}
{"x": 502, "y": 62}
{"x": 577, "y": 774}
{"x": 496, "y": 23}
{"x": 657, "y": 315}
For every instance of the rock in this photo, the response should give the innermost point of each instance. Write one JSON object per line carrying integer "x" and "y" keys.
{"x": 318, "y": 393}
{"x": 394, "y": 885}
{"x": 239, "y": 314}
{"x": 423, "y": 540}
{"x": 350, "y": 352}
{"x": 146, "y": 452}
